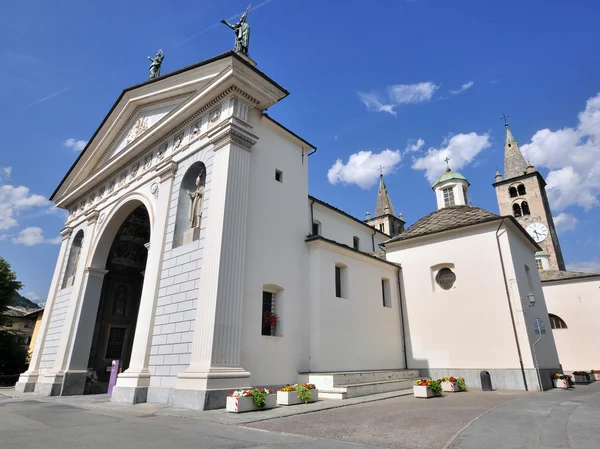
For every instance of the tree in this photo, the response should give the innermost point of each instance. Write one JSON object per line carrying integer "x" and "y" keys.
{"x": 13, "y": 355}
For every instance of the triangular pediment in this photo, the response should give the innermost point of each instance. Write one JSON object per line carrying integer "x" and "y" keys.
{"x": 144, "y": 116}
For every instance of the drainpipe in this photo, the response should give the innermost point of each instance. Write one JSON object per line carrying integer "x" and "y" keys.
{"x": 401, "y": 318}
{"x": 512, "y": 316}
{"x": 312, "y": 217}
{"x": 373, "y": 238}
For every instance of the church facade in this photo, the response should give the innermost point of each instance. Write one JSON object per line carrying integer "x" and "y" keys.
{"x": 194, "y": 256}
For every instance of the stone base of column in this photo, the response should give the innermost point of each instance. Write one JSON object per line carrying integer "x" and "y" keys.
{"x": 50, "y": 384}
{"x": 27, "y": 381}
{"x": 74, "y": 383}
{"x": 216, "y": 378}
{"x": 198, "y": 400}
{"x": 129, "y": 395}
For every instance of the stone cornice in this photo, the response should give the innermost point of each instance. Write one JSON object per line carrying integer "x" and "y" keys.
{"x": 66, "y": 232}
{"x": 92, "y": 216}
{"x": 99, "y": 272}
{"x": 232, "y": 133}
{"x": 166, "y": 169}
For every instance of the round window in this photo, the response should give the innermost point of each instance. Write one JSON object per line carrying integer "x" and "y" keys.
{"x": 445, "y": 278}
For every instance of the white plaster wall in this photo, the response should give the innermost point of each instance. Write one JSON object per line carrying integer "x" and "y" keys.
{"x": 523, "y": 255}
{"x": 179, "y": 282}
{"x": 468, "y": 326}
{"x": 335, "y": 226}
{"x": 355, "y": 332}
{"x": 457, "y": 188}
{"x": 55, "y": 328}
{"x": 577, "y": 302}
{"x": 277, "y": 225}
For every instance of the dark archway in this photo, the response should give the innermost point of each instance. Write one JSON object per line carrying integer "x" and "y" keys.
{"x": 118, "y": 308}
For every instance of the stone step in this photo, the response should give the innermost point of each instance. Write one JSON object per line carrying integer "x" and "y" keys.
{"x": 328, "y": 380}
{"x": 364, "y": 389}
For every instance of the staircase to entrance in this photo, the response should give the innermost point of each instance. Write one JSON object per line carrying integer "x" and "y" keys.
{"x": 351, "y": 384}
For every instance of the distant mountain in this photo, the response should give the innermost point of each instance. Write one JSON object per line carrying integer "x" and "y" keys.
{"x": 21, "y": 301}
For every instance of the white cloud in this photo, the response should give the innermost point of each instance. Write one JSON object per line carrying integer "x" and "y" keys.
{"x": 5, "y": 173}
{"x": 373, "y": 103}
{"x": 414, "y": 147}
{"x": 75, "y": 144}
{"x": 15, "y": 199}
{"x": 565, "y": 222}
{"x": 362, "y": 168}
{"x": 398, "y": 94}
{"x": 464, "y": 87}
{"x": 573, "y": 157}
{"x": 32, "y": 296}
{"x": 588, "y": 266}
{"x": 412, "y": 93}
{"x": 34, "y": 236}
{"x": 461, "y": 149}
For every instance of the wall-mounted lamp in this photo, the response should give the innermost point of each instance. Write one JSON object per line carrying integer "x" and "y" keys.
{"x": 531, "y": 298}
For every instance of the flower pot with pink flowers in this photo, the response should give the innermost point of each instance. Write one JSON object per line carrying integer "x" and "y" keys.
{"x": 241, "y": 401}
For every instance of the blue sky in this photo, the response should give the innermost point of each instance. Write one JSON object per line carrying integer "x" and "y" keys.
{"x": 401, "y": 83}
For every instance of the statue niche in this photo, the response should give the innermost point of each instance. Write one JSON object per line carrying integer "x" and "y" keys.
{"x": 190, "y": 206}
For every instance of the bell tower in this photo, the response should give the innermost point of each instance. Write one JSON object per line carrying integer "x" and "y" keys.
{"x": 385, "y": 219}
{"x": 522, "y": 194}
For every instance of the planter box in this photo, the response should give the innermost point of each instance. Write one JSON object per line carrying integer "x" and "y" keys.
{"x": 561, "y": 383}
{"x": 241, "y": 405}
{"x": 596, "y": 376}
{"x": 580, "y": 379}
{"x": 451, "y": 387}
{"x": 291, "y": 397}
{"x": 423, "y": 392}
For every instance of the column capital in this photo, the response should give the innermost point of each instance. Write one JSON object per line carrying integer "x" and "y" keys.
{"x": 66, "y": 233}
{"x": 166, "y": 169}
{"x": 232, "y": 133}
{"x": 92, "y": 216}
{"x": 99, "y": 272}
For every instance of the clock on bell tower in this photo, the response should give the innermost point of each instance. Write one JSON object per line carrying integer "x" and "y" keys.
{"x": 522, "y": 194}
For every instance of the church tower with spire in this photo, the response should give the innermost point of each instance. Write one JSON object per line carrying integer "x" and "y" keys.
{"x": 522, "y": 194}
{"x": 385, "y": 219}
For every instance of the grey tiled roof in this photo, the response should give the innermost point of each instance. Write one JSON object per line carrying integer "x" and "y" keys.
{"x": 555, "y": 275}
{"x": 445, "y": 219}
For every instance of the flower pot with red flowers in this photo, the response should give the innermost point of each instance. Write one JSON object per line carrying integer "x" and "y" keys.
{"x": 581, "y": 377}
{"x": 426, "y": 388}
{"x": 270, "y": 321}
{"x": 595, "y": 374}
{"x": 297, "y": 394}
{"x": 453, "y": 384}
{"x": 563, "y": 381}
{"x": 241, "y": 401}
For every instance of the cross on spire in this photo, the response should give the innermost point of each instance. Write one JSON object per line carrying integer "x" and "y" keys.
{"x": 380, "y": 170}
{"x": 447, "y": 160}
{"x": 505, "y": 118}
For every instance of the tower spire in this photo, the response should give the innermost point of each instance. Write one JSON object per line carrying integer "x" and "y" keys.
{"x": 514, "y": 162}
{"x": 384, "y": 204}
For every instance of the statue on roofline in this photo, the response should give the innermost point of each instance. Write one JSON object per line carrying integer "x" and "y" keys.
{"x": 155, "y": 65}
{"x": 242, "y": 33}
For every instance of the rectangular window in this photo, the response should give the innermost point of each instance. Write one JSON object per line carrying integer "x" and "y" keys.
{"x": 116, "y": 339}
{"x": 382, "y": 227}
{"x": 448, "y": 197}
{"x": 268, "y": 310}
{"x": 385, "y": 293}
{"x": 278, "y": 175}
{"x": 355, "y": 242}
{"x": 316, "y": 228}
{"x": 341, "y": 281}
{"x": 539, "y": 264}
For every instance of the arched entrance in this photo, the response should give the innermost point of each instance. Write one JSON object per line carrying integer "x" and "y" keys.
{"x": 120, "y": 295}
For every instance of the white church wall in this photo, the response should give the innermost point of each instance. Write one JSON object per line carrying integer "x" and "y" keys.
{"x": 524, "y": 278}
{"x": 276, "y": 256}
{"x": 468, "y": 326}
{"x": 178, "y": 289}
{"x": 55, "y": 328}
{"x": 577, "y": 303}
{"x": 355, "y": 332}
{"x": 336, "y": 226}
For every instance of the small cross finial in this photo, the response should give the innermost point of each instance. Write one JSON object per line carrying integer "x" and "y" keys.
{"x": 447, "y": 160}
{"x": 505, "y": 118}
{"x": 380, "y": 170}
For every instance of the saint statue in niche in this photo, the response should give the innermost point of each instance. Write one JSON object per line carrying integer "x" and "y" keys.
{"x": 197, "y": 199}
{"x": 120, "y": 302}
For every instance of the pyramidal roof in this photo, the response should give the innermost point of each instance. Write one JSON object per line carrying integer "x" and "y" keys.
{"x": 384, "y": 204}
{"x": 514, "y": 162}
